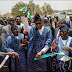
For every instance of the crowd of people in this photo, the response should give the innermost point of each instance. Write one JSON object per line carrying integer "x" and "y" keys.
{"x": 28, "y": 40}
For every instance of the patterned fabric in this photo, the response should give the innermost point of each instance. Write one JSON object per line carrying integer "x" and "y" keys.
{"x": 57, "y": 65}
{"x": 36, "y": 44}
{"x": 13, "y": 45}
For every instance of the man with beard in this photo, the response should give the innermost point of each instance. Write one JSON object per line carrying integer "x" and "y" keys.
{"x": 18, "y": 22}
{"x": 14, "y": 47}
{"x": 7, "y": 29}
{"x": 62, "y": 45}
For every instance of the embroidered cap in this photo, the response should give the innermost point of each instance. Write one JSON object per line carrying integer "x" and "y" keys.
{"x": 63, "y": 26}
{"x": 37, "y": 17}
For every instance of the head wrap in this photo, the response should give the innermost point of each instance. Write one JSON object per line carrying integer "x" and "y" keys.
{"x": 63, "y": 26}
{"x": 37, "y": 18}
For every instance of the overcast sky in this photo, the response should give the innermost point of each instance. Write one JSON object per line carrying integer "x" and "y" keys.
{"x": 6, "y": 5}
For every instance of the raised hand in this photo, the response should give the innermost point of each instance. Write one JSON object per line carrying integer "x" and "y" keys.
{"x": 28, "y": 7}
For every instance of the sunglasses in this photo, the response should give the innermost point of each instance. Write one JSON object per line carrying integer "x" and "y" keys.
{"x": 63, "y": 31}
{"x": 37, "y": 23}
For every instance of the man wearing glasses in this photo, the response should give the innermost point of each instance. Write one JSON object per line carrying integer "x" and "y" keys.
{"x": 62, "y": 44}
{"x": 39, "y": 42}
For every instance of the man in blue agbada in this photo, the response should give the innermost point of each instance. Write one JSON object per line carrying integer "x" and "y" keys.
{"x": 16, "y": 50}
{"x": 62, "y": 44}
{"x": 39, "y": 42}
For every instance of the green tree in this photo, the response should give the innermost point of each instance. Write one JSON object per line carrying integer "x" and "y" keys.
{"x": 38, "y": 10}
{"x": 15, "y": 9}
{"x": 46, "y": 9}
{"x": 34, "y": 8}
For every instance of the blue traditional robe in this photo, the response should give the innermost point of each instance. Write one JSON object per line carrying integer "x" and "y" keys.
{"x": 36, "y": 44}
{"x": 13, "y": 45}
{"x": 57, "y": 64}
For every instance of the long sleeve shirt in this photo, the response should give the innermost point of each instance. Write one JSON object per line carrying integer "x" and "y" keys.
{"x": 28, "y": 28}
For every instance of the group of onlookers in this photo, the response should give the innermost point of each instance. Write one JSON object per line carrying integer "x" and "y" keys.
{"x": 39, "y": 38}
